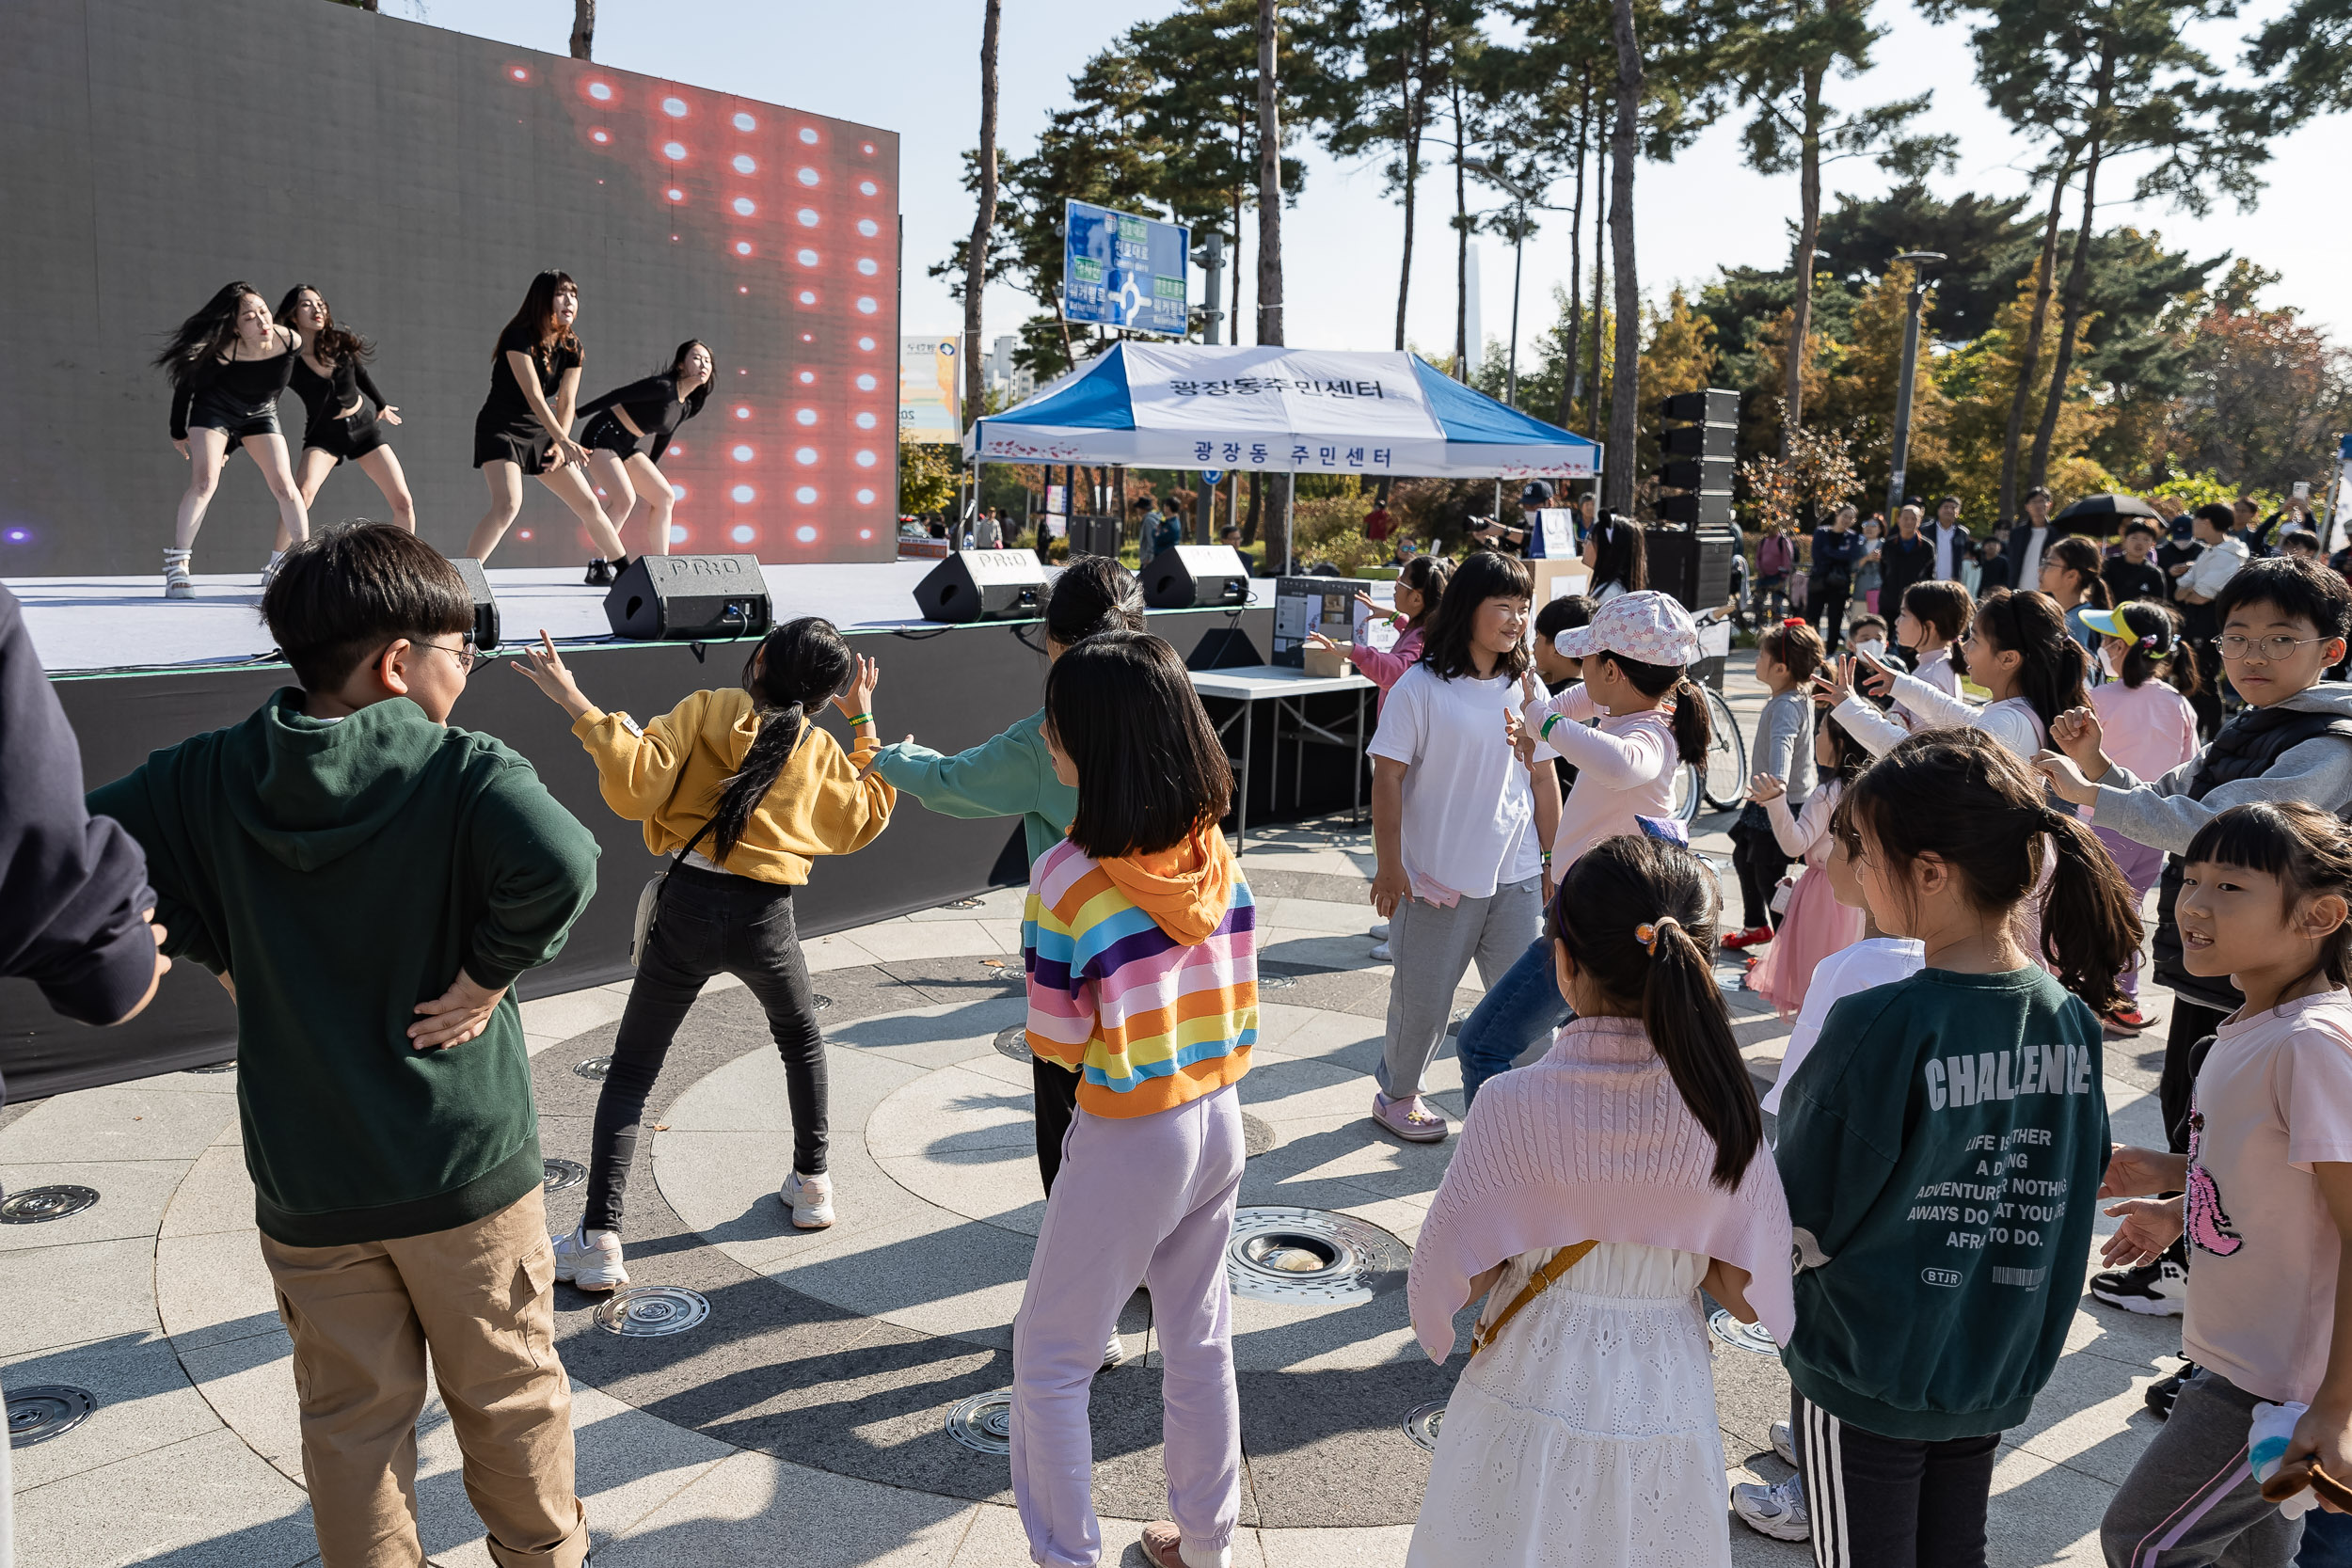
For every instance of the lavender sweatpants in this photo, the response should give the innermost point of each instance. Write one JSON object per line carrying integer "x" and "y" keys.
{"x": 2142, "y": 866}
{"x": 1139, "y": 1200}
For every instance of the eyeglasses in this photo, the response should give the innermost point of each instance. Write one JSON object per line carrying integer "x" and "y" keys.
{"x": 465, "y": 653}
{"x": 2270, "y": 648}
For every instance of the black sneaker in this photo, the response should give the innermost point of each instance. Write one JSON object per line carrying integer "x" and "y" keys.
{"x": 2165, "y": 1390}
{"x": 599, "y": 573}
{"x": 2157, "y": 1289}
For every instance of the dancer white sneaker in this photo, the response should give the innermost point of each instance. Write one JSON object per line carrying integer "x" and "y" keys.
{"x": 810, "y": 1199}
{"x": 590, "y": 1260}
{"x": 177, "y": 583}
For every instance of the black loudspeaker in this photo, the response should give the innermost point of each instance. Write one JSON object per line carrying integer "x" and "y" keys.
{"x": 1091, "y": 535}
{"x": 984, "y": 585}
{"x": 1196, "y": 577}
{"x": 689, "y": 598}
{"x": 485, "y": 604}
{"x": 1692, "y": 564}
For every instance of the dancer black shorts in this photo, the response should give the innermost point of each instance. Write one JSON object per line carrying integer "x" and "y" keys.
{"x": 525, "y": 445}
{"x": 233, "y": 416}
{"x": 346, "y": 440}
{"x": 605, "y": 433}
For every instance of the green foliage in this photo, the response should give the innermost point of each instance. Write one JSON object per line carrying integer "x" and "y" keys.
{"x": 927, "y": 475}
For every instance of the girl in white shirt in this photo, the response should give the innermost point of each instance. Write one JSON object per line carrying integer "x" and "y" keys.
{"x": 1615, "y": 553}
{"x": 1932, "y": 617}
{"x": 1818, "y": 923}
{"x": 2017, "y": 648}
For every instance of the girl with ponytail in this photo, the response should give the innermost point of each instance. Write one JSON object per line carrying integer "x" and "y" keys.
{"x": 2070, "y": 575}
{"x": 1632, "y": 721}
{"x": 1592, "y": 1196}
{"x": 1942, "y": 1147}
{"x": 742, "y": 790}
{"x": 2017, "y": 648}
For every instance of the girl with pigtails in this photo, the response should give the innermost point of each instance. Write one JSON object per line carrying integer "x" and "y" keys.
{"x": 742, "y": 791}
{"x": 1592, "y": 1196}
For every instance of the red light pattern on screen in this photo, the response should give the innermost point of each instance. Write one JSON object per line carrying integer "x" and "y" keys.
{"x": 794, "y": 456}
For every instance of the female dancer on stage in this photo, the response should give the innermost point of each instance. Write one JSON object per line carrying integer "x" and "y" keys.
{"x": 524, "y": 423}
{"x": 330, "y": 376}
{"x": 229, "y": 364}
{"x": 629, "y": 428}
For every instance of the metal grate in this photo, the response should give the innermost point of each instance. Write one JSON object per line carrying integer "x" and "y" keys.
{"x": 593, "y": 1068}
{"x": 46, "y": 1410}
{"x": 652, "y": 1310}
{"x": 983, "y": 1423}
{"x": 228, "y": 1066}
{"x": 562, "y": 1174}
{"x": 1308, "y": 1257}
{"x": 39, "y": 1205}
{"x": 1422, "y": 1423}
{"x": 1754, "y": 1338}
{"x": 1014, "y": 1042}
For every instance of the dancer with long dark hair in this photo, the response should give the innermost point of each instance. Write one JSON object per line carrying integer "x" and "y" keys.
{"x": 629, "y": 428}
{"x": 525, "y": 423}
{"x": 330, "y": 376}
{"x": 229, "y": 365}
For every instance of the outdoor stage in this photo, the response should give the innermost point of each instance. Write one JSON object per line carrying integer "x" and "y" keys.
{"x": 137, "y": 672}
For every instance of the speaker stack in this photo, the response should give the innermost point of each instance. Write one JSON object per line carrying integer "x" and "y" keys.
{"x": 689, "y": 598}
{"x": 984, "y": 585}
{"x": 1196, "y": 577}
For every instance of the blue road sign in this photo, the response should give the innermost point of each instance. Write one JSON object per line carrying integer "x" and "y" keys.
{"x": 1120, "y": 269}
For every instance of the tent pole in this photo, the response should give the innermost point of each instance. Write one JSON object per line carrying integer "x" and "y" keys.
{"x": 1290, "y": 537}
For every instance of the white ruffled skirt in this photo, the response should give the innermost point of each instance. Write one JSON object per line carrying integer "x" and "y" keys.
{"x": 1585, "y": 1437}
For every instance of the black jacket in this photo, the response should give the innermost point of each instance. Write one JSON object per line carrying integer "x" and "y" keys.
{"x": 1901, "y": 563}
{"x": 73, "y": 889}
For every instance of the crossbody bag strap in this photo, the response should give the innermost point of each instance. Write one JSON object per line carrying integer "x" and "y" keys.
{"x": 807, "y": 723}
{"x": 1543, "y": 1279}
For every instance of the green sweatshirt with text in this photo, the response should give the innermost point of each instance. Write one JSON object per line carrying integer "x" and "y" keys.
{"x": 341, "y": 871}
{"x": 1942, "y": 1148}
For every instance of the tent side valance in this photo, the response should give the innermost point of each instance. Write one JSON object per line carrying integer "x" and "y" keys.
{"x": 1283, "y": 410}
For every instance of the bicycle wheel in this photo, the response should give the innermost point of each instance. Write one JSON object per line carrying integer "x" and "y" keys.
{"x": 1726, "y": 783}
{"x": 1688, "y": 796}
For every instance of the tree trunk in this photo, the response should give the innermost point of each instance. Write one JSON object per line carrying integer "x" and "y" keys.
{"x": 1808, "y": 232}
{"x": 583, "y": 27}
{"x": 2030, "y": 365}
{"x": 1241, "y": 157}
{"x": 2077, "y": 284}
{"x": 1272, "y": 522}
{"x": 1568, "y": 376}
{"x": 1461, "y": 246}
{"x": 983, "y": 222}
{"x": 1601, "y": 280}
{"x": 1625, "y": 392}
{"x": 1257, "y": 498}
{"x": 1416, "y": 111}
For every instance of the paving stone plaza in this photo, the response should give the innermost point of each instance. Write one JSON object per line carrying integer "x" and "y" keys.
{"x": 805, "y": 1419}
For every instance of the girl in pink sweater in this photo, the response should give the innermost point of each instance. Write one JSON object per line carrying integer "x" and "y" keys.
{"x": 1419, "y": 587}
{"x": 1592, "y": 1195}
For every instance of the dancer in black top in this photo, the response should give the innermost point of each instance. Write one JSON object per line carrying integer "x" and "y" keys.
{"x": 330, "y": 376}
{"x": 229, "y": 364}
{"x": 629, "y": 428}
{"x": 524, "y": 423}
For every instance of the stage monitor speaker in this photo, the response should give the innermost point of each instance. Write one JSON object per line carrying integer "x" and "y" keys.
{"x": 1196, "y": 577}
{"x": 689, "y": 598}
{"x": 984, "y": 585}
{"x": 485, "y": 604}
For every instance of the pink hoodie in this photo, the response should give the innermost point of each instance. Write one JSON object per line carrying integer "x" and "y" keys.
{"x": 1385, "y": 669}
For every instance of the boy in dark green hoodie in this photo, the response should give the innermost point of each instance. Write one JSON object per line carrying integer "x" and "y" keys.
{"x": 369, "y": 884}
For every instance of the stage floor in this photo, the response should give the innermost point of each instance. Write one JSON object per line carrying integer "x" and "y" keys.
{"x": 92, "y": 626}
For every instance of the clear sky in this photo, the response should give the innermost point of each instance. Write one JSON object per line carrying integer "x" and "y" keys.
{"x": 912, "y": 66}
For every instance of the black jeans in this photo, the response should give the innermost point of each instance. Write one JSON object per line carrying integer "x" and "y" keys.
{"x": 1891, "y": 1502}
{"x": 1825, "y": 607}
{"x": 1756, "y": 855}
{"x": 1056, "y": 1089}
{"x": 709, "y": 924}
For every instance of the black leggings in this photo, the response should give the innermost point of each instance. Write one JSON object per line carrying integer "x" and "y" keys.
{"x": 1056, "y": 1089}
{"x": 1756, "y": 855}
{"x": 709, "y": 923}
{"x": 1891, "y": 1502}
{"x": 1827, "y": 608}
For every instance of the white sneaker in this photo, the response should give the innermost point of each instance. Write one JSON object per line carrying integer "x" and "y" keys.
{"x": 1380, "y": 954}
{"x": 177, "y": 583}
{"x": 590, "y": 1260}
{"x": 276, "y": 558}
{"x": 1114, "y": 1352}
{"x": 1379, "y": 932}
{"x": 1774, "y": 1510}
{"x": 1784, "y": 1443}
{"x": 810, "y": 1199}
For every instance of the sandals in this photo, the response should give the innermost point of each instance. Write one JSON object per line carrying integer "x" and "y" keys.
{"x": 1410, "y": 1119}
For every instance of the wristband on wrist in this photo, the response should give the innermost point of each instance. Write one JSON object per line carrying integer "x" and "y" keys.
{"x": 859, "y": 718}
{"x": 1544, "y": 733}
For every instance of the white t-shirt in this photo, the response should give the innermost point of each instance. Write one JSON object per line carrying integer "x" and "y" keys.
{"x": 2273, "y": 1099}
{"x": 1873, "y": 961}
{"x": 1470, "y": 814}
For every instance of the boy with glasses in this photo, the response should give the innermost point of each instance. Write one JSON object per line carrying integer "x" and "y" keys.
{"x": 369, "y": 884}
{"x": 2282, "y": 625}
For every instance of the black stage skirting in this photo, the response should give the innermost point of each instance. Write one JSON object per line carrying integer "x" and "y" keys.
{"x": 951, "y": 687}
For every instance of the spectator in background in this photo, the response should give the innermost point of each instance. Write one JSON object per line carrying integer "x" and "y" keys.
{"x": 2194, "y": 585}
{"x": 1837, "y": 549}
{"x": 2026, "y": 537}
{"x": 988, "y": 530}
{"x": 1992, "y": 565}
{"x": 1377, "y": 522}
{"x": 2135, "y": 575}
{"x": 1617, "y": 555}
{"x": 2301, "y": 543}
{"x": 78, "y": 919}
{"x": 1907, "y": 558}
{"x": 1951, "y": 542}
{"x": 1865, "y": 573}
{"x": 2179, "y": 545}
{"x": 1231, "y": 538}
{"x": 1775, "y": 558}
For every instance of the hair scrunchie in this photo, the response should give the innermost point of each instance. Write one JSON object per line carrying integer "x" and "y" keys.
{"x": 1647, "y": 933}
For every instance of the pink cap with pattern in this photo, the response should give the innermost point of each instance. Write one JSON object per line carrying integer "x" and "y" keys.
{"x": 1651, "y": 628}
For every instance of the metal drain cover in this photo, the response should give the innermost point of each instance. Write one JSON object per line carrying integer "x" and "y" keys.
{"x": 1422, "y": 1423}
{"x": 961, "y": 904}
{"x": 34, "y": 1205}
{"x": 1014, "y": 1042}
{"x": 593, "y": 1068}
{"x": 1275, "y": 982}
{"x": 983, "y": 1423}
{"x": 818, "y": 1004}
{"x": 650, "y": 1310}
{"x": 1312, "y": 1257}
{"x": 563, "y": 1174}
{"x": 228, "y": 1066}
{"x": 1257, "y": 1135}
{"x": 46, "y": 1410}
{"x": 1754, "y": 1338}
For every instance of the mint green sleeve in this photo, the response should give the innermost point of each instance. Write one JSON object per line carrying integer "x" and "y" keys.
{"x": 1002, "y": 776}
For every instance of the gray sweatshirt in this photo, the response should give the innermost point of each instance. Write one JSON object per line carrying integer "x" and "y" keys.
{"x": 1784, "y": 743}
{"x": 2318, "y": 773}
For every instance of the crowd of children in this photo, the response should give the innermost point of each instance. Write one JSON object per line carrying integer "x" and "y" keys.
{"x": 1963, "y": 930}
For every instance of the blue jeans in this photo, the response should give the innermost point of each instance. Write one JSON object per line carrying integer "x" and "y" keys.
{"x": 1517, "y": 1011}
{"x": 2327, "y": 1541}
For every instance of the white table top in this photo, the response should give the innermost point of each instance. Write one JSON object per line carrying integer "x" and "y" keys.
{"x": 1257, "y": 682}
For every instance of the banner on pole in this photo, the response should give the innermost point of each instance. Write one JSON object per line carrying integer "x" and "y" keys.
{"x": 931, "y": 387}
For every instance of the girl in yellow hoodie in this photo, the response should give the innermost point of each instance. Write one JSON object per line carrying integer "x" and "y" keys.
{"x": 743, "y": 790}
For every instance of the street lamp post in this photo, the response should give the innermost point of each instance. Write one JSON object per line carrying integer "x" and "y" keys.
{"x": 1903, "y": 387}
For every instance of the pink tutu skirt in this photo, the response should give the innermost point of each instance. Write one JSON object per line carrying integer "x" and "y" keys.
{"x": 1815, "y": 926}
